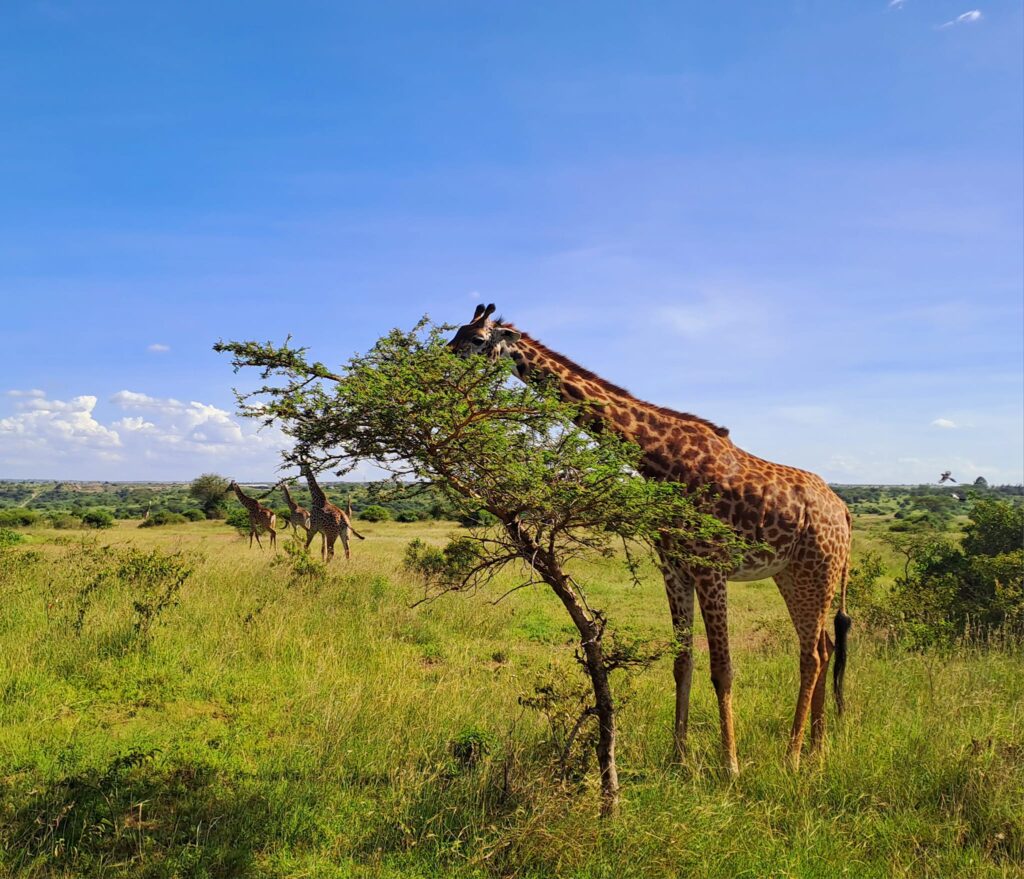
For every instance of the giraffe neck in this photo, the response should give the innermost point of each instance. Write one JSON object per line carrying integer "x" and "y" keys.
{"x": 319, "y": 498}
{"x": 675, "y": 445}
{"x": 247, "y": 502}
{"x": 288, "y": 498}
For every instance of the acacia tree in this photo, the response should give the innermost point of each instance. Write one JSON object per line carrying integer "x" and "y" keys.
{"x": 556, "y": 490}
{"x": 210, "y": 490}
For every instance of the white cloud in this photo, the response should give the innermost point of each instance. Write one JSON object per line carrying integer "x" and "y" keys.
{"x": 896, "y": 4}
{"x": 158, "y": 348}
{"x": 156, "y": 437}
{"x": 970, "y": 17}
{"x": 35, "y": 392}
{"x": 54, "y": 426}
{"x": 945, "y": 423}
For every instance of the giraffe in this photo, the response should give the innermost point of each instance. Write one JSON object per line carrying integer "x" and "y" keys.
{"x": 299, "y": 517}
{"x": 259, "y": 517}
{"x": 332, "y": 522}
{"x": 805, "y": 525}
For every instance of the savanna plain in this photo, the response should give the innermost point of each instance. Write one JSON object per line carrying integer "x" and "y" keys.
{"x": 257, "y": 714}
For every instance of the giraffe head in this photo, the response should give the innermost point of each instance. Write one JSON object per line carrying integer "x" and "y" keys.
{"x": 485, "y": 336}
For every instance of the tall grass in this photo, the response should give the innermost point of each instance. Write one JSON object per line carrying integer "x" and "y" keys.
{"x": 285, "y": 721}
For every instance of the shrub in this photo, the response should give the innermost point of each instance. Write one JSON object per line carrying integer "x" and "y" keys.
{"x": 945, "y": 591}
{"x": 62, "y": 520}
{"x": 163, "y": 517}
{"x": 194, "y": 515}
{"x": 97, "y": 519}
{"x": 407, "y": 516}
{"x": 9, "y": 537}
{"x": 17, "y": 517}
{"x": 375, "y": 513}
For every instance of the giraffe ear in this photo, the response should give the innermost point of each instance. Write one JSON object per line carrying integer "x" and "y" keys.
{"x": 509, "y": 337}
{"x": 478, "y": 313}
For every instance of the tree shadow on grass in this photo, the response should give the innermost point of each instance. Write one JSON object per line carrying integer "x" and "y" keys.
{"x": 144, "y": 816}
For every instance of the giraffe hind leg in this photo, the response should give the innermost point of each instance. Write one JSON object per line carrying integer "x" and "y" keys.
{"x": 808, "y": 595}
{"x": 825, "y": 648}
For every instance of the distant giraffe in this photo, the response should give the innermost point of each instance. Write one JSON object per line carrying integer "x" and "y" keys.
{"x": 259, "y": 517}
{"x": 300, "y": 517}
{"x": 804, "y": 523}
{"x": 330, "y": 521}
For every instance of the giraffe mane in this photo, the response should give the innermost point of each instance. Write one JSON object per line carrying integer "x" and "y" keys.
{"x": 718, "y": 430}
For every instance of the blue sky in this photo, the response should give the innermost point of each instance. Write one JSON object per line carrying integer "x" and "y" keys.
{"x": 800, "y": 219}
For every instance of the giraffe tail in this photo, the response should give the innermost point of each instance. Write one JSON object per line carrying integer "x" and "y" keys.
{"x": 843, "y": 624}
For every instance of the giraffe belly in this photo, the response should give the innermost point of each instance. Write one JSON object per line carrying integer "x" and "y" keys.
{"x": 757, "y": 569}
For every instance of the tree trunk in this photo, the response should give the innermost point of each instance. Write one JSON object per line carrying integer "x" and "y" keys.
{"x": 591, "y": 632}
{"x": 605, "y": 708}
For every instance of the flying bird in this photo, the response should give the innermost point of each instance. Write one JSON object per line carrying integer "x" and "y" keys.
{"x": 946, "y": 477}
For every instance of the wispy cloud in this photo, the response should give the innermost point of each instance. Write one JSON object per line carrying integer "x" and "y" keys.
{"x": 896, "y": 4}
{"x": 970, "y": 17}
{"x": 158, "y": 348}
{"x": 35, "y": 392}
{"x": 945, "y": 423}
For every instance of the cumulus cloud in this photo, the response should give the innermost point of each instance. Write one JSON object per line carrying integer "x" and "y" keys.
{"x": 974, "y": 15}
{"x": 152, "y": 437}
{"x": 158, "y": 348}
{"x": 945, "y": 423}
{"x": 55, "y": 425}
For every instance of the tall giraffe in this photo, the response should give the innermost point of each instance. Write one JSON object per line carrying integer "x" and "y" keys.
{"x": 299, "y": 517}
{"x": 805, "y": 524}
{"x": 259, "y": 516}
{"x": 330, "y": 521}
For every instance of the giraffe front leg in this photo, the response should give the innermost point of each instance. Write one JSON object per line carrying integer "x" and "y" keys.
{"x": 713, "y": 607}
{"x": 679, "y": 588}
{"x": 256, "y": 534}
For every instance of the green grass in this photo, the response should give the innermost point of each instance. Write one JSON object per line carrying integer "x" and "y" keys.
{"x": 283, "y": 725}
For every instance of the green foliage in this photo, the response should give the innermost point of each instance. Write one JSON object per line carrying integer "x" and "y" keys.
{"x": 210, "y": 491}
{"x": 17, "y": 517}
{"x": 304, "y": 570}
{"x": 64, "y": 521}
{"x": 469, "y": 747}
{"x": 98, "y": 518}
{"x": 375, "y": 513}
{"x": 194, "y": 515}
{"x": 406, "y": 516}
{"x": 9, "y": 537}
{"x": 163, "y": 517}
{"x": 944, "y": 591}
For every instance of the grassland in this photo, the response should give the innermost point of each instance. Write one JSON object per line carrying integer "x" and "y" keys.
{"x": 285, "y": 725}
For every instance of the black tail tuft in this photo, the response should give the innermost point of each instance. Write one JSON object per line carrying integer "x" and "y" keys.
{"x": 842, "y": 624}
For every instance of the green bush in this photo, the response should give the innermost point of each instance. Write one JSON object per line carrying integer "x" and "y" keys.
{"x": 9, "y": 537}
{"x": 407, "y": 516}
{"x": 163, "y": 517}
{"x": 17, "y": 517}
{"x": 62, "y": 520}
{"x": 194, "y": 515}
{"x": 375, "y": 513}
{"x": 945, "y": 592}
{"x": 97, "y": 519}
